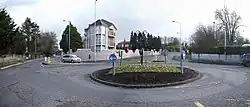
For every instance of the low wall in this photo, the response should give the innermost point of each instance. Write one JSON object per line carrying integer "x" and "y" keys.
{"x": 217, "y": 57}
{"x": 104, "y": 55}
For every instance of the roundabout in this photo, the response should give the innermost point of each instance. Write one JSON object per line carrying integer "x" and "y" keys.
{"x": 145, "y": 76}
{"x": 31, "y": 85}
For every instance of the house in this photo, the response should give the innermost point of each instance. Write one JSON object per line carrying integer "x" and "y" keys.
{"x": 106, "y": 33}
{"x": 123, "y": 45}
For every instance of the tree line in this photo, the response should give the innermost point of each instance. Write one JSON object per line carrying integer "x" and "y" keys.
{"x": 142, "y": 40}
{"x": 25, "y": 39}
{"x": 226, "y": 26}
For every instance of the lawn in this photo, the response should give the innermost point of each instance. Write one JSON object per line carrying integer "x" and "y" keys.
{"x": 146, "y": 68}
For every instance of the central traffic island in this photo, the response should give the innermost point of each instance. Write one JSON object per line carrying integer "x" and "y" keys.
{"x": 145, "y": 76}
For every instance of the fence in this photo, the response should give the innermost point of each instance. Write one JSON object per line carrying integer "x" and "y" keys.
{"x": 217, "y": 57}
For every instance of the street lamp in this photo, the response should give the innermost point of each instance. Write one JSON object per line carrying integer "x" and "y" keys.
{"x": 69, "y": 33}
{"x": 95, "y": 32}
{"x": 180, "y": 44}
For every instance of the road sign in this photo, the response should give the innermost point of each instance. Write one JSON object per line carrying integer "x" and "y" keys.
{"x": 183, "y": 55}
{"x": 112, "y": 57}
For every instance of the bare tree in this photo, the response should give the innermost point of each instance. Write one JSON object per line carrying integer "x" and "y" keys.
{"x": 48, "y": 42}
{"x": 203, "y": 37}
{"x": 230, "y": 22}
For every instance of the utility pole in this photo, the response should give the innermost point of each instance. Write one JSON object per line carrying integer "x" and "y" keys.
{"x": 35, "y": 47}
{"x": 69, "y": 33}
{"x": 69, "y": 36}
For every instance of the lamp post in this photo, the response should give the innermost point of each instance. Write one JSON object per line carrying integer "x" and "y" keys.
{"x": 180, "y": 45}
{"x": 69, "y": 32}
{"x": 95, "y": 31}
{"x": 225, "y": 35}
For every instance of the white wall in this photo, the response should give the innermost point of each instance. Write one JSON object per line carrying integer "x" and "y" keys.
{"x": 104, "y": 55}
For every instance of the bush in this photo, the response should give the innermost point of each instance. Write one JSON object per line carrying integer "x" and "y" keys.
{"x": 146, "y": 68}
{"x": 175, "y": 48}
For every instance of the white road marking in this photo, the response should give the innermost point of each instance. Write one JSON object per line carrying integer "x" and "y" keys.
{"x": 11, "y": 65}
{"x": 41, "y": 64}
{"x": 198, "y": 104}
{"x": 19, "y": 63}
{"x": 182, "y": 86}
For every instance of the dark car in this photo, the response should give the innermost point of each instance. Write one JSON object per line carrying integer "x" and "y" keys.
{"x": 246, "y": 60}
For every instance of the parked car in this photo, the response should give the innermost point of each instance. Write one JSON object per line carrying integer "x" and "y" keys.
{"x": 71, "y": 58}
{"x": 246, "y": 60}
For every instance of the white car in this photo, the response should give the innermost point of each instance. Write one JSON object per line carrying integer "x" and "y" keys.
{"x": 71, "y": 58}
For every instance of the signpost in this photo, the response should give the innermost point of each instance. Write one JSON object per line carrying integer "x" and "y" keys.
{"x": 165, "y": 53}
{"x": 120, "y": 55}
{"x": 113, "y": 58}
{"x": 141, "y": 54}
{"x": 183, "y": 55}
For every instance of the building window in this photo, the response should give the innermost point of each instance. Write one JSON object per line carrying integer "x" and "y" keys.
{"x": 111, "y": 42}
{"x": 98, "y": 39}
{"x": 103, "y": 39}
{"x": 98, "y": 48}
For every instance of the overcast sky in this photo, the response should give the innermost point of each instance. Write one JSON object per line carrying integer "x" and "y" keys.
{"x": 155, "y": 16}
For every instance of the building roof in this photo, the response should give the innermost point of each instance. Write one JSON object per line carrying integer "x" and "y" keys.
{"x": 102, "y": 22}
{"x": 126, "y": 42}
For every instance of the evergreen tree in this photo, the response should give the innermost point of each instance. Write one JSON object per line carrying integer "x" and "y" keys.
{"x": 7, "y": 29}
{"x": 75, "y": 39}
{"x": 32, "y": 34}
{"x": 133, "y": 41}
{"x": 19, "y": 43}
{"x": 158, "y": 44}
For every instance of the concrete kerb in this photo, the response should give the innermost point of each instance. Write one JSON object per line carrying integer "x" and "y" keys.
{"x": 66, "y": 64}
{"x": 93, "y": 77}
{"x": 19, "y": 63}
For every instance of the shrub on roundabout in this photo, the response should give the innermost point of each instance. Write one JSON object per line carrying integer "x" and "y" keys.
{"x": 145, "y": 76}
{"x": 146, "y": 68}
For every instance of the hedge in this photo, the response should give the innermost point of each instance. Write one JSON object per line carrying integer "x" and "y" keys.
{"x": 220, "y": 50}
{"x": 175, "y": 48}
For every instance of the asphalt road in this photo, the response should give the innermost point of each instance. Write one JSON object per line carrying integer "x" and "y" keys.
{"x": 33, "y": 85}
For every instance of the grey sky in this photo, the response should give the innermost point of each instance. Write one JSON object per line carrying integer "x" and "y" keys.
{"x": 155, "y": 16}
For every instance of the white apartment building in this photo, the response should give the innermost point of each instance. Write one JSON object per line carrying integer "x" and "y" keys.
{"x": 105, "y": 36}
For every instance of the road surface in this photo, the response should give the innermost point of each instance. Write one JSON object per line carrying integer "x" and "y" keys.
{"x": 33, "y": 85}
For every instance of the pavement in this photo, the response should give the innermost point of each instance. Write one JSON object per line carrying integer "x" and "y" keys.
{"x": 33, "y": 85}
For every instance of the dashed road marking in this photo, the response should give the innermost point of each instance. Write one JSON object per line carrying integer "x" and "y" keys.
{"x": 198, "y": 104}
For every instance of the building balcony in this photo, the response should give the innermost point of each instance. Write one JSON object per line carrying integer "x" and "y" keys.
{"x": 111, "y": 34}
{"x": 111, "y": 44}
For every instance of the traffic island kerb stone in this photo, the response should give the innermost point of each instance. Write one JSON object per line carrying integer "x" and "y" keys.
{"x": 94, "y": 77}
